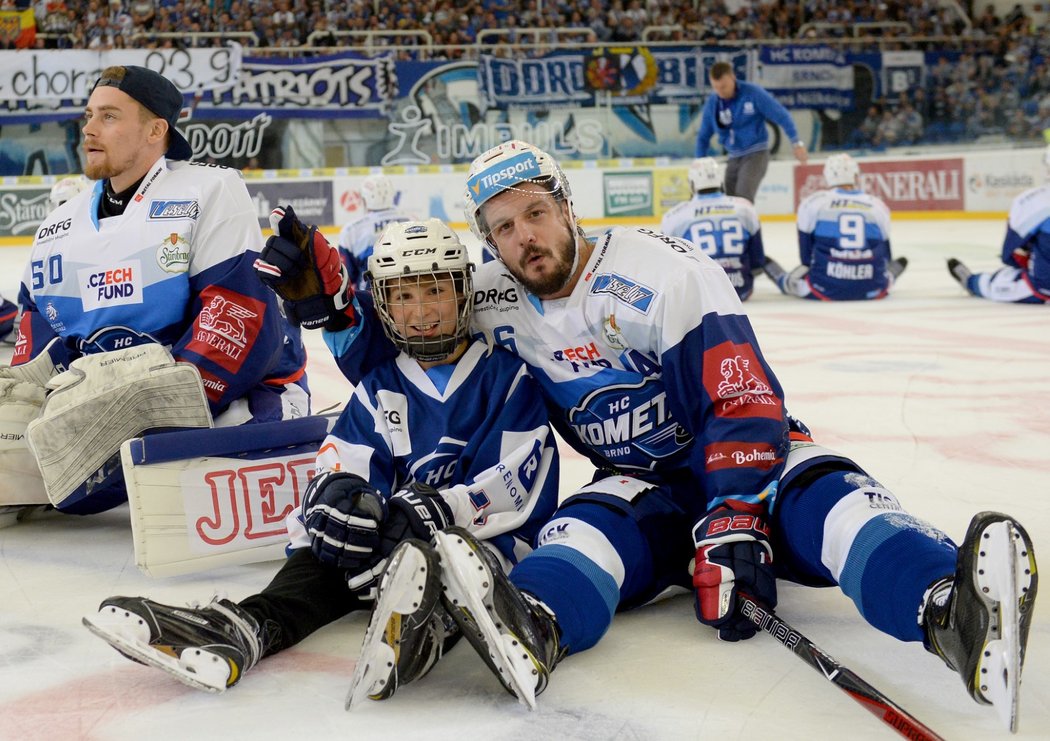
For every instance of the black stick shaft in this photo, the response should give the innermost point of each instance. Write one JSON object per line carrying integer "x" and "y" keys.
{"x": 873, "y": 701}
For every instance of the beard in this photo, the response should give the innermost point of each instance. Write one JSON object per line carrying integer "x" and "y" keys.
{"x": 558, "y": 277}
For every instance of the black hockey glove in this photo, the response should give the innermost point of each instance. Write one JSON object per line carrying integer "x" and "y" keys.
{"x": 732, "y": 555}
{"x": 417, "y": 511}
{"x": 307, "y": 272}
{"x": 342, "y": 513}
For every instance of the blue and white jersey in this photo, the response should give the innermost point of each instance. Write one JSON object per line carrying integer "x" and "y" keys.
{"x": 650, "y": 367}
{"x": 844, "y": 238}
{"x": 1028, "y": 236}
{"x": 176, "y": 269}
{"x": 359, "y": 236}
{"x": 726, "y": 229}
{"x": 476, "y": 430}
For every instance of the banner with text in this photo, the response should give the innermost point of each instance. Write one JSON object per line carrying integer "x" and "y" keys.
{"x": 905, "y": 185}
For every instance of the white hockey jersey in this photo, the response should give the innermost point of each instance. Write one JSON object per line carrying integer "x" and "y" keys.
{"x": 844, "y": 238}
{"x": 358, "y": 236}
{"x": 650, "y": 367}
{"x": 176, "y": 269}
{"x": 726, "y": 229}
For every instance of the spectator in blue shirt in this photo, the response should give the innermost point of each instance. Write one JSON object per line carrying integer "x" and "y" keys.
{"x": 739, "y": 112}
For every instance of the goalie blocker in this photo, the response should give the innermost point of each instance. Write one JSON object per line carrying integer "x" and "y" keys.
{"x": 202, "y": 499}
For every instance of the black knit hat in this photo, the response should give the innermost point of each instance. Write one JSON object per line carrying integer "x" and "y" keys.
{"x": 157, "y": 94}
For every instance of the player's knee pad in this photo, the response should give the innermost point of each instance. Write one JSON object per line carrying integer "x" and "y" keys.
{"x": 103, "y": 400}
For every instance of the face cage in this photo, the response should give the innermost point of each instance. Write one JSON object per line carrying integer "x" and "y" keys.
{"x": 427, "y": 349}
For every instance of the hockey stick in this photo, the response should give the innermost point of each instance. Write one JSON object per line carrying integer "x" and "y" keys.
{"x": 873, "y": 701}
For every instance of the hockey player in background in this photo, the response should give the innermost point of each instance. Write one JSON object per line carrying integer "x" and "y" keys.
{"x": 447, "y": 432}
{"x": 843, "y": 242}
{"x": 1026, "y": 252}
{"x": 697, "y": 462}
{"x": 358, "y": 236}
{"x": 65, "y": 189}
{"x": 723, "y": 227}
{"x": 144, "y": 273}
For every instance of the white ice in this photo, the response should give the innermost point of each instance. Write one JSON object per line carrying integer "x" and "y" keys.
{"x": 943, "y": 397}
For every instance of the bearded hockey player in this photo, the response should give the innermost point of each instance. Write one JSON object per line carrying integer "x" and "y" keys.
{"x": 698, "y": 462}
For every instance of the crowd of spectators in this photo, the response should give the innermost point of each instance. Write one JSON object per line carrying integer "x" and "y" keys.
{"x": 997, "y": 80}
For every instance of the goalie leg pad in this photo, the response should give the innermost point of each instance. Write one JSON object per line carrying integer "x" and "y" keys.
{"x": 105, "y": 399}
{"x": 20, "y": 403}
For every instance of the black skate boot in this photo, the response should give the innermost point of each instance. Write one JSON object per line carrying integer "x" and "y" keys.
{"x": 514, "y": 633}
{"x": 209, "y": 648}
{"x": 960, "y": 272}
{"x": 776, "y": 272}
{"x": 409, "y": 630}
{"x": 896, "y": 267}
{"x": 978, "y": 620}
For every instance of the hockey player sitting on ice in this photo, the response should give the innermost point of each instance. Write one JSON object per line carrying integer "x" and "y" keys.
{"x": 450, "y": 431}
{"x": 142, "y": 289}
{"x": 1026, "y": 252}
{"x": 725, "y": 228}
{"x": 697, "y": 460}
{"x": 843, "y": 242}
{"x": 358, "y": 236}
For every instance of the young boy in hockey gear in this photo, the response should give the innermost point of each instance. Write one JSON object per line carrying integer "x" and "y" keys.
{"x": 725, "y": 228}
{"x": 357, "y": 237}
{"x": 1026, "y": 252}
{"x": 159, "y": 253}
{"x": 843, "y": 242}
{"x": 697, "y": 458}
{"x": 449, "y": 431}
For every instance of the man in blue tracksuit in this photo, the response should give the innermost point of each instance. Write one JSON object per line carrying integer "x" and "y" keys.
{"x": 739, "y": 112}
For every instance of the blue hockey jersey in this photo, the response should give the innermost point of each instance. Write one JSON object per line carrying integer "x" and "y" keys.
{"x": 476, "y": 430}
{"x": 1027, "y": 243}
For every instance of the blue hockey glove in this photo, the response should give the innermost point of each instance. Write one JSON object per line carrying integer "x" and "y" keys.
{"x": 732, "y": 555}
{"x": 306, "y": 271}
{"x": 342, "y": 513}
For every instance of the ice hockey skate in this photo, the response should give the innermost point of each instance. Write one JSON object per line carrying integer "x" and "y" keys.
{"x": 978, "y": 621}
{"x": 960, "y": 272}
{"x": 409, "y": 630}
{"x": 208, "y": 648}
{"x": 896, "y": 267}
{"x": 515, "y": 635}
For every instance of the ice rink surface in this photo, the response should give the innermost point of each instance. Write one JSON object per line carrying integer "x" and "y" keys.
{"x": 942, "y": 397}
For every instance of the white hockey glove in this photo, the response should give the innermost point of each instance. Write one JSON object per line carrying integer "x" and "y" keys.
{"x": 105, "y": 399}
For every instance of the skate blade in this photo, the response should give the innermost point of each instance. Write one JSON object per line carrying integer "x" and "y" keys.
{"x": 402, "y": 585}
{"x": 196, "y": 668}
{"x": 1003, "y": 578}
{"x": 467, "y": 586}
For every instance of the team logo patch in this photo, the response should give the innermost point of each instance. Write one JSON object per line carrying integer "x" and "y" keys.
{"x": 173, "y": 255}
{"x": 113, "y": 338}
{"x": 737, "y": 383}
{"x": 503, "y": 175}
{"x": 639, "y": 297}
{"x": 159, "y": 210}
{"x": 226, "y": 326}
{"x": 120, "y": 285}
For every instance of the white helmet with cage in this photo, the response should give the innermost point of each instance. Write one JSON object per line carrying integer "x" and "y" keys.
{"x": 841, "y": 169}
{"x": 414, "y": 253}
{"x": 377, "y": 191}
{"x": 705, "y": 174}
{"x": 66, "y": 188}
